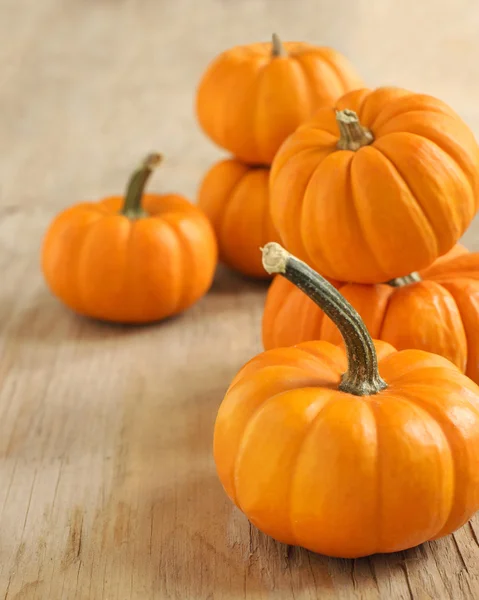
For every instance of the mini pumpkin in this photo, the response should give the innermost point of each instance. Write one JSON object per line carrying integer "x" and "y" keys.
{"x": 436, "y": 310}
{"x": 135, "y": 259}
{"x": 377, "y": 187}
{"x": 348, "y": 451}
{"x": 252, "y": 97}
{"x": 235, "y": 198}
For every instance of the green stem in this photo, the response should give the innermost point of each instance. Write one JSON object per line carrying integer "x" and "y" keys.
{"x": 352, "y": 135}
{"x": 134, "y": 194}
{"x": 362, "y": 377}
{"x": 278, "y": 48}
{"x": 406, "y": 280}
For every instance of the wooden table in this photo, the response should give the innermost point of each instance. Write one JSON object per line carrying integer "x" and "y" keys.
{"x": 107, "y": 483}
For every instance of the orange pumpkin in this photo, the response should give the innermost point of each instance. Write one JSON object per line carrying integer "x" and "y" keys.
{"x": 348, "y": 452}
{"x": 436, "y": 310}
{"x": 252, "y": 97}
{"x": 235, "y": 199}
{"x": 132, "y": 260}
{"x": 377, "y": 187}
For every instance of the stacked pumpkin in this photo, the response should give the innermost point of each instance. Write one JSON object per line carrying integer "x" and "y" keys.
{"x": 250, "y": 99}
{"x": 374, "y": 194}
{"x": 331, "y": 440}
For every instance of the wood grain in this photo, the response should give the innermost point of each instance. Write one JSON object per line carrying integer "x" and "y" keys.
{"x": 107, "y": 483}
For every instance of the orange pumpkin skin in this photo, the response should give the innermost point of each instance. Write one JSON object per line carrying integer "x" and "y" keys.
{"x": 235, "y": 198}
{"x": 353, "y": 450}
{"x": 439, "y": 314}
{"x": 105, "y": 265}
{"x": 344, "y": 475}
{"x": 249, "y": 100}
{"x": 388, "y": 208}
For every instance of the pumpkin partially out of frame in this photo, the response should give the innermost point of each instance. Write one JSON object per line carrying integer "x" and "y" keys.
{"x": 252, "y": 97}
{"x": 235, "y": 197}
{"x": 132, "y": 259}
{"x": 436, "y": 310}
{"x": 376, "y": 187}
{"x": 349, "y": 452}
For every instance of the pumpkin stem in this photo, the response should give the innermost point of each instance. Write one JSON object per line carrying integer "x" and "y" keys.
{"x": 362, "y": 377}
{"x": 406, "y": 280}
{"x": 278, "y": 48}
{"x": 352, "y": 134}
{"x": 134, "y": 194}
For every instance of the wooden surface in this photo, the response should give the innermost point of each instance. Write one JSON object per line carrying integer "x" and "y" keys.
{"x": 107, "y": 483}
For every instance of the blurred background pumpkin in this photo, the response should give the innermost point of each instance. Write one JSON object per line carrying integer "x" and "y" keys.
{"x": 253, "y": 96}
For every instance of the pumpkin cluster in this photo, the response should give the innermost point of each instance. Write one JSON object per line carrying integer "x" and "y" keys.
{"x": 375, "y": 193}
{"x": 249, "y": 100}
{"x": 357, "y": 430}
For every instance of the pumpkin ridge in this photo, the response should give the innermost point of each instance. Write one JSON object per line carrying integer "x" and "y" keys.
{"x": 243, "y": 439}
{"x": 444, "y": 311}
{"x": 258, "y": 150}
{"x": 83, "y": 244}
{"x": 310, "y": 376}
{"x": 225, "y": 206}
{"x": 460, "y": 168}
{"x": 302, "y": 211}
{"x": 383, "y": 319}
{"x": 418, "y": 402}
{"x": 352, "y": 189}
{"x": 432, "y": 232}
{"x": 268, "y": 319}
{"x": 75, "y": 281}
{"x": 179, "y": 249}
{"x": 242, "y": 229}
{"x": 128, "y": 272}
{"x": 284, "y": 306}
{"x": 431, "y": 385}
{"x": 417, "y": 405}
{"x": 405, "y": 110}
{"x": 378, "y": 113}
{"x": 470, "y": 341}
{"x": 328, "y": 59}
{"x": 326, "y": 359}
{"x": 245, "y": 370}
{"x": 373, "y": 407}
{"x": 266, "y": 218}
{"x": 103, "y": 206}
{"x": 294, "y": 470}
{"x": 451, "y": 268}
{"x": 462, "y": 323}
{"x": 461, "y": 177}
{"x": 184, "y": 253}
{"x": 309, "y": 82}
{"x": 310, "y": 149}
{"x": 359, "y": 110}
{"x": 451, "y": 276}
{"x": 354, "y": 100}
{"x": 302, "y": 204}
{"x": 259, "y": 67}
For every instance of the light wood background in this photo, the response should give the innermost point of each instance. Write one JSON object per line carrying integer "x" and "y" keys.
{"x": 107, "y": 483}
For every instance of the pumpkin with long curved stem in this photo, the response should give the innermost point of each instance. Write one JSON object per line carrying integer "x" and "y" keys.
{"x": 135, "y": 259}
{"x": 436, "y": 310}
{"x": 252, "y": 97}
{"x": 348, "y": 452}
{"x": 235, "y": 197}
{"x": 376, "y": 187}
